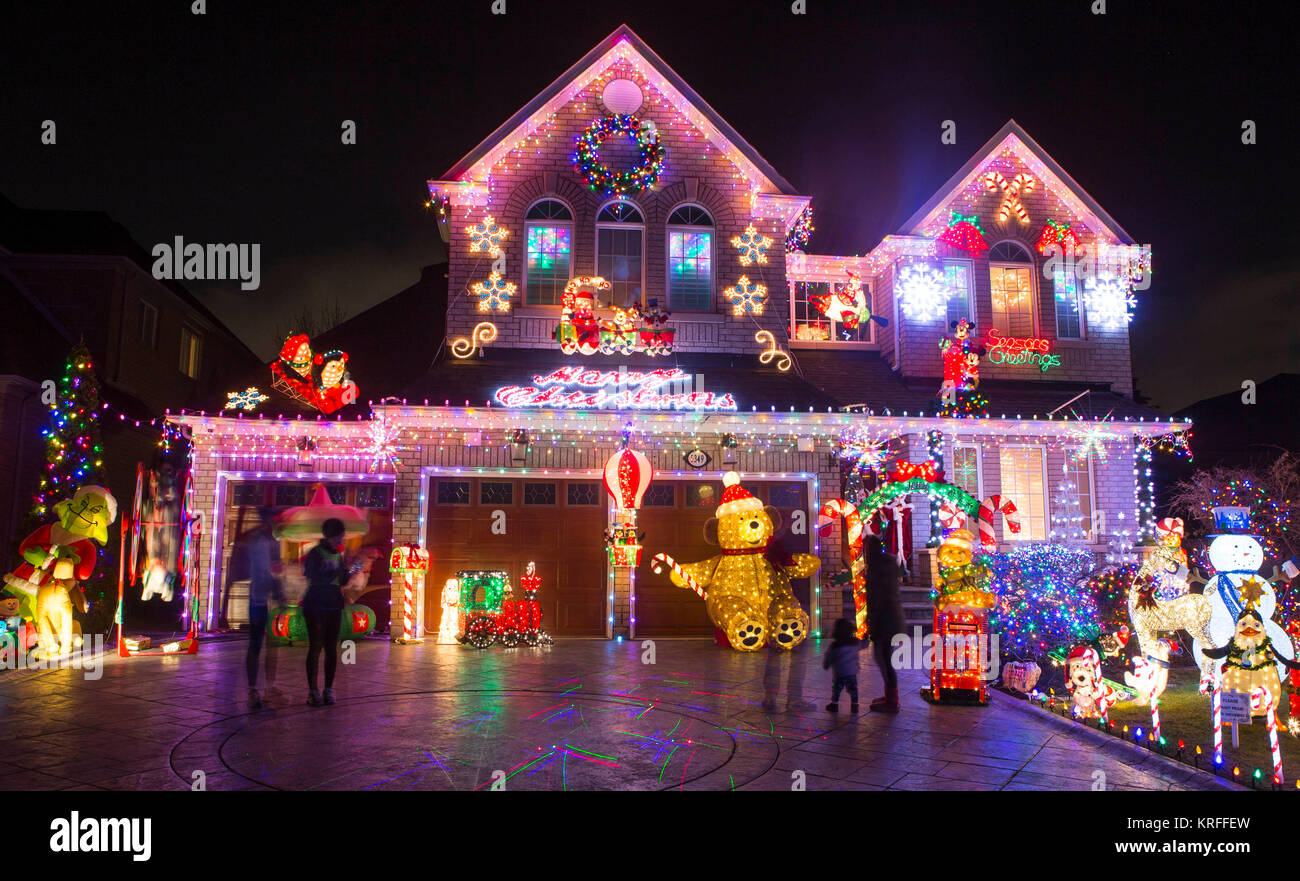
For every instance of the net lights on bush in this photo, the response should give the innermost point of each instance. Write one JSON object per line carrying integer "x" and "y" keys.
{"x": 923, "y": 292}
{"x": 752, "y": 245}
{"x": 1044, "y": 601}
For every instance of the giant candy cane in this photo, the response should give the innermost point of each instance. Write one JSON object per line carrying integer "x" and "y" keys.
{"x": 989, "y": 508}
{"x": 857, "y": 565}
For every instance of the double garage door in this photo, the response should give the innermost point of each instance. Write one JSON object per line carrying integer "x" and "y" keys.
{"x": 505, "y": 523}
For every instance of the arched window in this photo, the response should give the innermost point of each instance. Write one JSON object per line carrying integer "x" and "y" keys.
{"x": 620, "y": 251}
{"x": 548, "y": 251}
{"x": 1011, "y": 286}
{"x": 690, "y": 259}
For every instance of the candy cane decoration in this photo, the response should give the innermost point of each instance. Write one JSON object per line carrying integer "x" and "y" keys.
{"x": 1216, "y": 709}
{"x": 857, "y": 565}
{"x": 1271, "y": 712}
{"x": 1155, "y": 717}
{"x": 951, "y": 517}
{"x": 1022, "y": 183}
{"x": 989, "y": 508}
{"x": 658, "y": 559}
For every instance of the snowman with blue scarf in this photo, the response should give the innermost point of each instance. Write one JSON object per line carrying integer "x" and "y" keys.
{"x": 1236, "y": 556}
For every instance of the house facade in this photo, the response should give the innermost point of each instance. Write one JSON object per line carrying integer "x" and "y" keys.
{"x": 625, "y": 268}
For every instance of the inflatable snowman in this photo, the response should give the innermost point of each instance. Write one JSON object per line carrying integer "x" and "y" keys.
{"x": 1236, "y": 557}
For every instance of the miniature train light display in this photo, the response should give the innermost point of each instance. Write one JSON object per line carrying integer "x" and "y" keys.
{"x": 489, "y": 613}
{"x": 630, "y": 329}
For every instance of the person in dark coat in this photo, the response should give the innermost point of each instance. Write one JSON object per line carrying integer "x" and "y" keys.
{"x": 322, "y": 606}
{"x": 884, "y": 618}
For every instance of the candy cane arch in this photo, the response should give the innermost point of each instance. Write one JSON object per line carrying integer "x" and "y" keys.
{"x": 1021, "y": 184}
{"x": 990, "y": 508}
{"x": 857, "y": 565}
{"x": 657, "y": 563}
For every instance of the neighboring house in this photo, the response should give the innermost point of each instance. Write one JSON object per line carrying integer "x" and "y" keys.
{"x": 69, "y": 275}
{"x": 1245, "y": 427}
{"x": 497, "y": 458}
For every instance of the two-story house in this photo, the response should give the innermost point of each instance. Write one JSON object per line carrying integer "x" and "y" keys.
{"x": 624, "y": 264}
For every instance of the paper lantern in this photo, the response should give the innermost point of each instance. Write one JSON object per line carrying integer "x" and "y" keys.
{"x": 627, "y": 477}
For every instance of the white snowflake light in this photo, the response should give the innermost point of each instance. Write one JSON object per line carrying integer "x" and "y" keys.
{"x": 485, "y": 237}
{"x": 923, "y": 292}
{"x": 1110, "y": 301}
{"x": 248, "y": 399}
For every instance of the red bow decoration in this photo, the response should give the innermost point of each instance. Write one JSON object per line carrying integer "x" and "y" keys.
{"x": 925, "y": 470}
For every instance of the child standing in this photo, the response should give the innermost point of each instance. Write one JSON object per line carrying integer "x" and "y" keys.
{"x": 842, "y": 659}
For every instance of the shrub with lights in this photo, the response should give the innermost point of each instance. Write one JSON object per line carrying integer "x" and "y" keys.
{"x": 1045, "y": 600}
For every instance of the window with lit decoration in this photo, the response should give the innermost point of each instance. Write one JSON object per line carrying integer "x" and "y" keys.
{"x": 620, "y": 250}
{"x": 690, "y": 260}
{"x": 453, "y": 492}
{"x": 1073, "y": 502}
{"x": 960, "y": 302}
{"x": 1011, "y": 287}
{"x": 372, "y": 497}
{"x": 1025, "y": 483}
{"x": 548, "y": 247}
{"x": 584, "y": 493}
{"x": 492, "y": 492}
{"x": 659, "y": 495}
{"x": 964, "y": 468}
{"x": 1069, "y": 306}
{"x": 539, "y": 494}
{"x": 810, "y": 325}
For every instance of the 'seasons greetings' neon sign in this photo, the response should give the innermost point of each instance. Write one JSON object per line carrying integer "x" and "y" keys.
{"x": 1021, "y": 350}
{"x": 578, "y": 388}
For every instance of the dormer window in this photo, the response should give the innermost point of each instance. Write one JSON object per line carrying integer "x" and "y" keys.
{"x": 690, "y": 259}
{"x": 548, "y": 252}
{"x": 1011, "y": 287}
{"x": 620, "y": 250}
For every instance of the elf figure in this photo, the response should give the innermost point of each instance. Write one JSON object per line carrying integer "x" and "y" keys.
{"x": 336, "y": 386}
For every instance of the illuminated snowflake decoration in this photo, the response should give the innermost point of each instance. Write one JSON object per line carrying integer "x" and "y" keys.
{"x": 381, "y": 445}
{"x": 752, "y": 246}
{"x": 747, "y": 298}
{"x": 494, "y": 294}
{"x": 923, "y": 292}
{"x": 865, "y": 452}
{"x": 1110, "y": 301}
{"x": 1090, "y": 437}
{"x": 485, "y": 237}
{"x": 248, "y": 399}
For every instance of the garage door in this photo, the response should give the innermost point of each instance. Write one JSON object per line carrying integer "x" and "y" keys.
{"x": 503, "y": 523}
{"x": 673, "y": 515}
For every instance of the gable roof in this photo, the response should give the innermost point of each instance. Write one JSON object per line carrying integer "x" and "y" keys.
{"x": 623, "y": 44}
{"x": 1012, "y": 136}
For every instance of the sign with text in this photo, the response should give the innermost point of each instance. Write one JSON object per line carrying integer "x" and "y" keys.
{"x": 578, "y": 388}
{"x": 1021, "y": 350}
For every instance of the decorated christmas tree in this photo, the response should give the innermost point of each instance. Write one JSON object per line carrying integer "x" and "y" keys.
{"x": 74, "y": 449}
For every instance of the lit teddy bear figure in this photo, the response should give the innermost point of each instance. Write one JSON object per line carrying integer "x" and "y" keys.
{"x": 749, "y": 598}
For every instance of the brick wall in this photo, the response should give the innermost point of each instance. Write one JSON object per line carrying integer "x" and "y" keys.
{"x": 693, "y": 172}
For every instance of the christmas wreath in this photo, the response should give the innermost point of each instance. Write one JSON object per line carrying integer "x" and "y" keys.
{"x": 598, "y": 175}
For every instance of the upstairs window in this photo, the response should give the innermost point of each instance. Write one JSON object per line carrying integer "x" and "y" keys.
{"x": 1011, "y": 285}
{"x": 548, "y": 251}
{"x": 620, "y": 249}
{"x": 960, "y": 305}
{"x": 191, "y": 353}
{"x": 1069, "y": 315}
{"x": 690, "y": 260}
{"x": 148, "y": 325}
{"x": 811, "y": 324}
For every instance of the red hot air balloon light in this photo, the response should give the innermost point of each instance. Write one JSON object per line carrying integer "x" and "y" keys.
{"x": 627, "y": 477}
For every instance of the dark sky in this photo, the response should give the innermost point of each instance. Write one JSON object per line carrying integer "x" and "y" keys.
{"x": 225, "y": 128}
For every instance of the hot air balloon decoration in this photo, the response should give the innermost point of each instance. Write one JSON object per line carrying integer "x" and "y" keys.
{"x": 627, "y": 476}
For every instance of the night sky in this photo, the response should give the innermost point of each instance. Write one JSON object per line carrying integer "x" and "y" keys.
{"x": 225, "y": 128}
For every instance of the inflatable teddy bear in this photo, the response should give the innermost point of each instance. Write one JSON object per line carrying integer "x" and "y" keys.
{"x": 746, "y": 588}
{"x": 58, "y": 556}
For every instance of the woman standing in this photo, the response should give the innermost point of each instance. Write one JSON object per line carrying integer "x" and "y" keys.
{"x": 322, "y": 606}
{"x": 884, "y": 618}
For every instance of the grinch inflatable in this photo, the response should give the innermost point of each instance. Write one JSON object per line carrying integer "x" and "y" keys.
{"x": 746, "y": 588}
{"x": 56, "y": 558}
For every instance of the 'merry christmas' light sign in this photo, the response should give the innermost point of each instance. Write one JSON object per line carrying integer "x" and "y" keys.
{"x": 578, "y": 388}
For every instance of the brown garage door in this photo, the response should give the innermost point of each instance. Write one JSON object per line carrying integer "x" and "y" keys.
{"x": 673, "y": 515}
{"x": 557, "y": 524}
